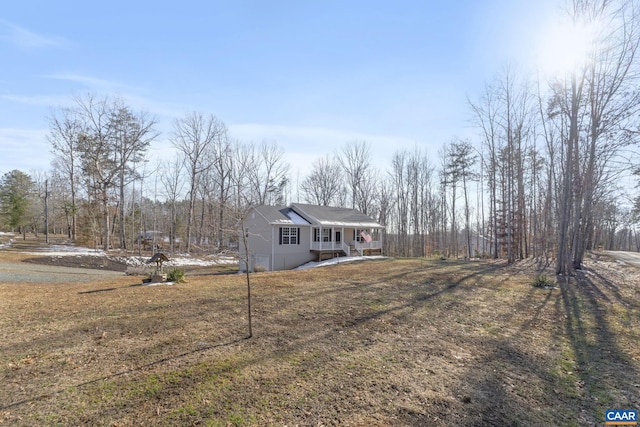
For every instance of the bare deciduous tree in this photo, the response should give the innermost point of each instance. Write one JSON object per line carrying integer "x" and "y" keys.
{"x": 355, "y": 159}
{"x": 132, "y": 134}
{"x": 596, "y": 100}
{"x": 193, "y": 136}
{"x": 324, "y": 183}
{"x": 171, "y": 178}
{"x": 63, "y": 137}
{"x": 268, "y": 175}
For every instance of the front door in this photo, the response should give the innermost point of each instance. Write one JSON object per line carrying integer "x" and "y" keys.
{"x": 338, "y": 236}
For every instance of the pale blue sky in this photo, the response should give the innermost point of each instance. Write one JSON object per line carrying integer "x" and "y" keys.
{"x": 309, "y": 75}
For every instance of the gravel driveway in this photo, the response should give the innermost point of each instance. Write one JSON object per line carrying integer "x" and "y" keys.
{"x": 21, "y": 272}
{"x": 631, "y": 258}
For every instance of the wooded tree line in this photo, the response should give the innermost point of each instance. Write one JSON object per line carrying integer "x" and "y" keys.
{"x": 108, "y": 195}
{"x": 542, "y": 179}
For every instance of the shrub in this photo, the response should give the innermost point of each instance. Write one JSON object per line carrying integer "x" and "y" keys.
{"x": 543, "y": 281}
{"x": 176, "y": 275}
{"x": 137, "y": 270}
{"x": 259, "y": 268}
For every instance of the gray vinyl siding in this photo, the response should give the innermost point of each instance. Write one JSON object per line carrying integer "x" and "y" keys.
{"x": 262, "y": 235}
{"x": 270, "y": 252}
{"x": 292, "y": 256}
{"x": 259, "y": 240}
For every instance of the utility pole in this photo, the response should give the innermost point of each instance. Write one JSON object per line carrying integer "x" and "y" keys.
{"x": 46, "y": 211}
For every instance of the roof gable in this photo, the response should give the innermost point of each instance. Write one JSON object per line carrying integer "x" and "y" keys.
{"x": 328, "y": 215}
{"x": 280, "y": 215}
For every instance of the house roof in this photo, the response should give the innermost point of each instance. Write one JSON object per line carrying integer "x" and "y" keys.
{"x": 303, "y": 214}
{"x": 332, "y": 216}
{"x": 280, "y": 215}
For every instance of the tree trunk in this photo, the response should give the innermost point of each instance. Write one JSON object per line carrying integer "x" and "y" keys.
{"x": 563, "y": 265}
{"x": 105, "y": 220}
{"x": 121, "y": 213}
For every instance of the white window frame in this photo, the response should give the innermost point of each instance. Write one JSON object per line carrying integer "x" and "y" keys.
{"x": 325, "y": 237}
{"x": 290, "y": 235}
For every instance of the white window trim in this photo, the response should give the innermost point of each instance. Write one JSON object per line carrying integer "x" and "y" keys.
{"x": 324, "y": 237}
{"x": 290, "y": 236}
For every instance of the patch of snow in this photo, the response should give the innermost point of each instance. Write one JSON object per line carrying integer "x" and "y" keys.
{"x": 159, "y": 283}
{"x": 177, "y": 260}
{"x": 66, "y": 250}
{"x": 340, "y": 260}
{"x": 184, "y": 260}
{"x": 10, "y": 242}
{"x": 133, "y": 261}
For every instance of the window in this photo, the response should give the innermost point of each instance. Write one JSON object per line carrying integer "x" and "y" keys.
{"x": 289, "y": 236}
{"x": 326, "y": 234}
{"x": 361, "y": 236}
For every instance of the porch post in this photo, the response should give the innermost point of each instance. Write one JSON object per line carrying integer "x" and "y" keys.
{"x": 332, "y": 237}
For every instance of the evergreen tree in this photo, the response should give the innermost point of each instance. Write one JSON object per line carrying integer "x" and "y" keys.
{"x": 16, "y": 197}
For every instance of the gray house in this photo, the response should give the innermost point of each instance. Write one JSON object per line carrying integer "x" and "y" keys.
{"x": 285, "y": 237}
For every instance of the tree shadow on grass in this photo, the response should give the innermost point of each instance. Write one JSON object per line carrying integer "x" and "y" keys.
{"x": 133, "y": 285}
{"x": 508, "y": 384}
{"x": 122, "y": 373}
{"x": 298, "y": 344}
{"x": 287, "y": 349}
{"x": 588, "y": 372}
{"x": 606, "y": 287}
{"x": 609, "y": 376}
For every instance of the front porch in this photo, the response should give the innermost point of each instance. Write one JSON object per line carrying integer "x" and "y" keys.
{"x": 330, "y": 242}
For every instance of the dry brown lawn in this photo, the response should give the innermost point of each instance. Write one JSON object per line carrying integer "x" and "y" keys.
{"x": 378, "y": 343}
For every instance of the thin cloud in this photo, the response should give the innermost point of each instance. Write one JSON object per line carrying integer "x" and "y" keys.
{"x": 304, "y": 144}
{"x": 152, "y": 107}
{"x": 27, "y": 147}
{"x": 85, "y": 80}
{"x": 309, "y": 137}
{"x": 38, "y": 100}
{"x": 119, "y": 90}
{"x": 28, "y": 40}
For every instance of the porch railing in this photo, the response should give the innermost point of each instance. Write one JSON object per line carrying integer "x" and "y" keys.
{"x": 331, "y": 246}
{"x": 362, "y": 246}
{"x": 346, "y": 249}
{"x": 369, "y": 245}
{"x": 342, "y": 246}
{"x": 321, "y": 246}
